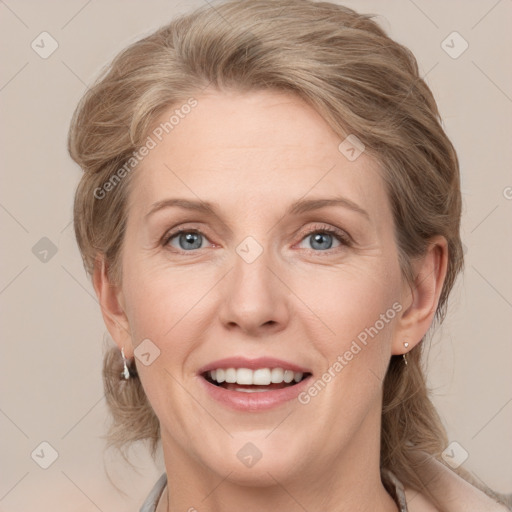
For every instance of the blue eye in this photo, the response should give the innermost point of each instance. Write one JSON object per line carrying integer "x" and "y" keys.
{"x": 322, "y": 238}
{"x": 187, "y": 240}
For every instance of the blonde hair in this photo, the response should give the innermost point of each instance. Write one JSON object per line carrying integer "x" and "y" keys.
{"x": 361, "y": 82}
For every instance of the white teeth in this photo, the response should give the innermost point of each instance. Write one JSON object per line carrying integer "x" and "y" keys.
{"x": 277, "y": 375}
{"x": 243, "y": 376}
{"x": 259, "y": 377}
{"x": 230, "y": 375}
{"x": 288, "y": 376}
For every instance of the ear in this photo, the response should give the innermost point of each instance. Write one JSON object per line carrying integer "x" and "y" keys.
{"x": 111, "y": 302}
{"x": 420, "y": 301}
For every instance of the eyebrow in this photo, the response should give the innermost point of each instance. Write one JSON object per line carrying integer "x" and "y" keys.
{"x": 298, "y": 207}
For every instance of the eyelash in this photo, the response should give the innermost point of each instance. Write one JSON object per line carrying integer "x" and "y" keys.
{"x": 341, "y": 236}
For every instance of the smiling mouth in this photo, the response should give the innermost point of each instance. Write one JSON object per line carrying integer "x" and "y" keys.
{"x": 267, "y": 379}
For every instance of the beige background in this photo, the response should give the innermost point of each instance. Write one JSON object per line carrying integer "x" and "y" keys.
{"x": 52, "y": 330}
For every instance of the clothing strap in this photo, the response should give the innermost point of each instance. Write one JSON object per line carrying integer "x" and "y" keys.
{"x": 395, "y": 488}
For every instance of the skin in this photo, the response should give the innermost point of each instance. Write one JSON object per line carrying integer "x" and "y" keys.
{"x": 254, "y": 154}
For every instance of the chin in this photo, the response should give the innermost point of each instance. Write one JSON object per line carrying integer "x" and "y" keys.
{"x": 254, "y": 464}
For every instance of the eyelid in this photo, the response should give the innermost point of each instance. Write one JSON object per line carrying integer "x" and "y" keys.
{"x": 343, "y": 237}
{"x": 172, "y": 232}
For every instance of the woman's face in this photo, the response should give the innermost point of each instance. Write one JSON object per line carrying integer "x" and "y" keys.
{"x": 256, "y": 275}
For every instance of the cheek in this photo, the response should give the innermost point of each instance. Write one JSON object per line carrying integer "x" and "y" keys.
{"x": 154, "y": 306}
{"x": 360, "y": 307}
{"x": 348, "y": 302}
{"x": 164, "y": 304}
{"x": 162, "y": 307}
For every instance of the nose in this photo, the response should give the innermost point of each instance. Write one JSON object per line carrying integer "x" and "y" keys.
{"x": 254, "y": 296}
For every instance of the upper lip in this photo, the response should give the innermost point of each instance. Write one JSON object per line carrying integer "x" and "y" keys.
{"x": 252, "y": 364}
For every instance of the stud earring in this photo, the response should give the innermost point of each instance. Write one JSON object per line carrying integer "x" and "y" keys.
{"x": 126, "y": 371}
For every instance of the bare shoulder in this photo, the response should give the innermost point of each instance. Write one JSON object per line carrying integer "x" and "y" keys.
{"x": 475, "y": 500}
{"x": 447, "y": 492}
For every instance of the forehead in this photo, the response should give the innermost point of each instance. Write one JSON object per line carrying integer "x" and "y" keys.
{"x": 261, "y": 148}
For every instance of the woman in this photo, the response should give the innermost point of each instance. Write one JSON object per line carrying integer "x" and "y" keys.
{"x": 270, "y": 213}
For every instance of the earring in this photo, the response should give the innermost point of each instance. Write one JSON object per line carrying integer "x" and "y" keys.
{"x": 126, "y": 371}
{"x": 406, "y": 345}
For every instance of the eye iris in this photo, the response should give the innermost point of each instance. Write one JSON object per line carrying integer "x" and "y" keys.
{"x": 319, "y": 238}
{"x": 191, "y": 239}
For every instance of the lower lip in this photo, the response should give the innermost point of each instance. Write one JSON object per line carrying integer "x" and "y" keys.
{"x": 257, "y": 401}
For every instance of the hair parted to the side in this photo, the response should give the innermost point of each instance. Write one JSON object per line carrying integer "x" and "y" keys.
{"x": 361, "y": 81}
